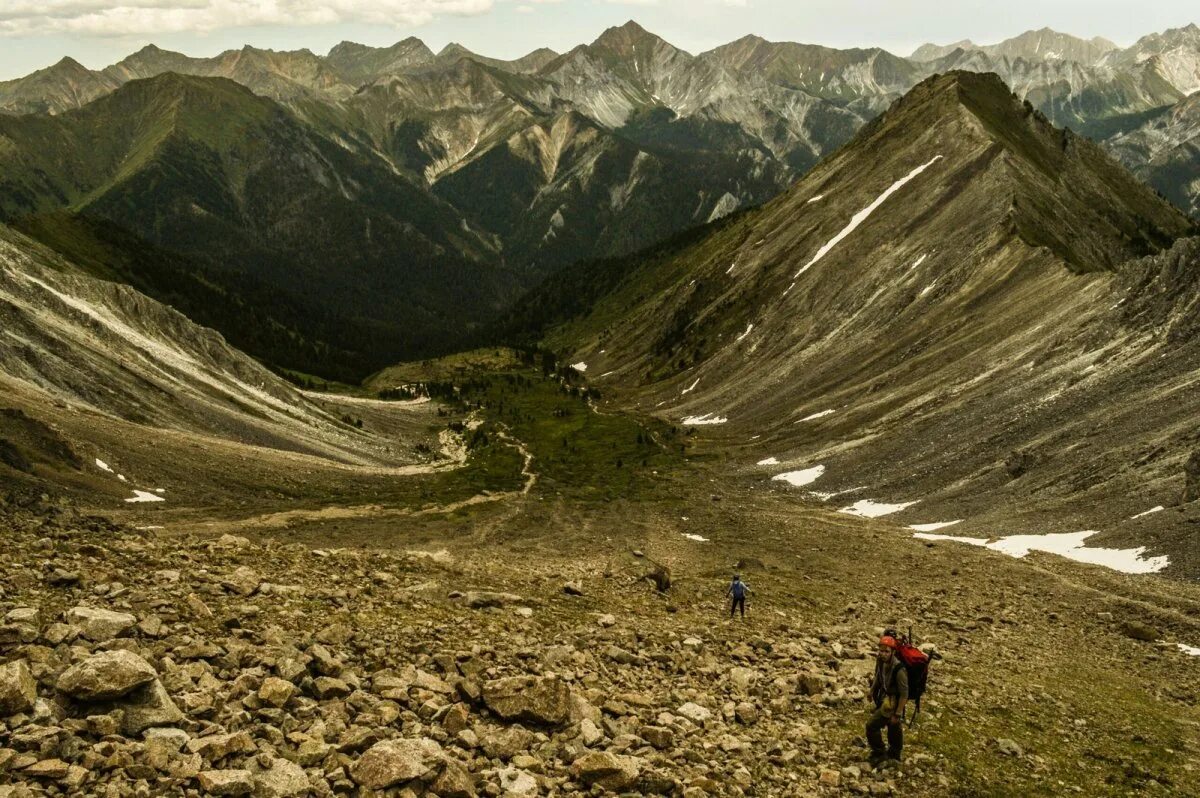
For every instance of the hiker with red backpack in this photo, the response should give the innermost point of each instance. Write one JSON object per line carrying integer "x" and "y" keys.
{"x": 901, "y": 671}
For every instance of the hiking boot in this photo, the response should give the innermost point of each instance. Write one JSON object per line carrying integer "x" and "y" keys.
{"x": 877, "y": 757}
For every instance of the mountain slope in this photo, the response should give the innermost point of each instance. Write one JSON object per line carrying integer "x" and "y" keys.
{"x": 1035, "y": 45}
{"x": 259, "y": 195}
{"x": 914, "y": 314}
{"x": 65, "y": 85}
{"x": 1165, "y": 152}
{"x": 98, "y": 347}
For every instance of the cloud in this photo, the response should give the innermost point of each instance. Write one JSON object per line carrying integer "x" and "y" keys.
{"x": 121, "y": 17}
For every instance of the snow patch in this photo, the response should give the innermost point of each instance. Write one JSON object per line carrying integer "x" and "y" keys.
{"x": 919, "y": 261}
{"x": 103, "y": 466}
{"x": 934, "y": 526}
{"x": 862, "y": 215}
{"x": 1071, "y": 545}
{"x": 749, "y": 327}
{"x": 866, "y": 508}
{"x": 799, "y": 479}
{"x": 697, "y": 538}
{"x": 1151, "y": 511}
{"x": 1191, "y": 651}
{"x": 690, "y": 388}
{"x": 144, "y": 496}
{"x": 815, "y": 416}
{"x": 580, "y": 366}
{"x": 704, "y": 420}
{"x": 817, "y": 198}
{"x": 769, "y": 461}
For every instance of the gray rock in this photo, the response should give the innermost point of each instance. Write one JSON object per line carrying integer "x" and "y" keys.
{"x": 147, "y": 707}
{"x": 534, "y": 699}
{"x": 226, "y": 782}
{"x": 1009, "y": 747}
{"x": 281, "y": 779}
{"x": 606, "y": 770}
{"x": 100, "y": 625}
{"x": 395, "y": 762}
{"x": 479, "y": 600}
{"x": 1139, "y": 631}
{"x": 18, "y": 689}
{"x": 105, "y": 676}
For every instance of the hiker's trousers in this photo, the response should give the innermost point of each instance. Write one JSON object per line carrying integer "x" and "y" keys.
{"x": 739, "y": 602}
{"x": 895, "y": 733}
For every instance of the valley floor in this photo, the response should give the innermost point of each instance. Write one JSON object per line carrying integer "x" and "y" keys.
{"x": 298, "y": 615}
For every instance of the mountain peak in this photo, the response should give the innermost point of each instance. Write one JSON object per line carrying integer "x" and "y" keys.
{"x": 624, "y": 38}
{"x": 69, "y": 63}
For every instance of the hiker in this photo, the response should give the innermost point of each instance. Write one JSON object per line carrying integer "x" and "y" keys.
{"x": 738, "y": 590}
{"x": 889, "y": 690}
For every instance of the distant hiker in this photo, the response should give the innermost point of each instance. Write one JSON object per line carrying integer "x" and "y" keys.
{"x": 738, "y": 590}
{"x": 889, "y": 690}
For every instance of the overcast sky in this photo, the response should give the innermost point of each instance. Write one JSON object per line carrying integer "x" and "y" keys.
{"x": 37, "y": 33}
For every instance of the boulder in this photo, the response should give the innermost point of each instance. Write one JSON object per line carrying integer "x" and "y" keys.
{"x": 1009, "y": 747}
{"x": 517, "y": 783}
{"x": 606, "y": 770}
{"x": 480, "y": 599}
{"x": 281, "y": 779}
{"x": 695, "y": 713}
{"x": 395, "y": 762}
{"x": 100, "y": 625}
{"x": 541, "y": 700}
{"x": 226, "y": 782}
{"x": 453, "y": 782}
{"x": 243, "y": 581}
{"x": 18, "y": 689}
{"x": 275, "y": 691}
{"x": 105, "y": 676}
{"x": 1139, "y": 631}
{"x": 743, "y": 679}
{"x": 506, "y": 743}
{"x": 148, "y": 707}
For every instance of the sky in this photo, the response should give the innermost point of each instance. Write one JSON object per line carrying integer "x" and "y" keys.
{"x": 37, "y": 33}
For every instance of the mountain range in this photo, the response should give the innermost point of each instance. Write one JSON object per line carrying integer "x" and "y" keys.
{"x": 386, "y": 203}
{"x": 966, "y": 317}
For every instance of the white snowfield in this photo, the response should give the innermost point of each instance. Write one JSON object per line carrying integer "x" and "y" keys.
{"x": 769, "y": 461}
{"x": 934, "y": 527}
{"x": 690, "y": 388}
{"x": 799, "y": 479}
{"x": 867, "y": 508}
{"x": 580, "y": 366}
{"x": 1068, "y": 544}
{"x": 705, "y": 420}
{"x": 103, "y": 466}
{"x": 862, "y": 215}
{"x": 697, "y": 538}
{"x": 144, "y": 496}
{"x": 815, "y": 416}
{"x": 1071, "y": 544}
{"x": 1191, "y": 651}
{"x": 1151, "y": 511}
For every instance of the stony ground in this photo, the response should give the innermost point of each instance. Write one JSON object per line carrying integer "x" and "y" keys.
{"x": 219, "y": 665}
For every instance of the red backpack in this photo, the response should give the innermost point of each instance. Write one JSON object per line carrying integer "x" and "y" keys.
{"x": 916, "y": 663}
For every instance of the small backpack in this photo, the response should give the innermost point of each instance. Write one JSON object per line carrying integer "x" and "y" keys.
{"x": 739, "y": 589}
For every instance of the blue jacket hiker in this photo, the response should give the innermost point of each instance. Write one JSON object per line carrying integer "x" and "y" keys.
{"x": 738, "y": 590}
